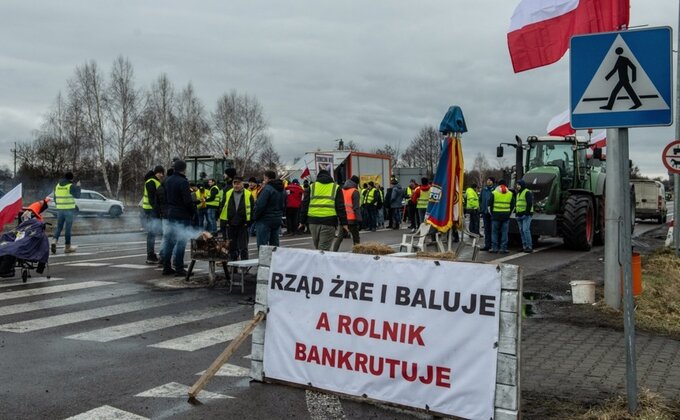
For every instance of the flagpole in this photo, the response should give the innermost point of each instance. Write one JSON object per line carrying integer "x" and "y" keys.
{"x": 676, "y": 177}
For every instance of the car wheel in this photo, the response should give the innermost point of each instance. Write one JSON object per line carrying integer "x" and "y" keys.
{"x": 115, "y": 211}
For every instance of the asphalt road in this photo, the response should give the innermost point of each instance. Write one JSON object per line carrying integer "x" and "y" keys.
{"x": 109, "y": 333}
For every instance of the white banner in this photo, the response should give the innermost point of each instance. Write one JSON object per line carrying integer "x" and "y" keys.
{"x": 324, "y": 162}
{"x": 411, "y": 332}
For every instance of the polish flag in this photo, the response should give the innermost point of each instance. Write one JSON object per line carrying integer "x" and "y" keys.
{"x": 559, "y": 125}
{"x": 305, "y": 173}
{"x": 540, "y": 29}
{"x": 599, "y": 140}
{"x": 10, "y": 206}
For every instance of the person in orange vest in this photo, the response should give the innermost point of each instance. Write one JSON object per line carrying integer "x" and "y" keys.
{"x": 352, "y": 199}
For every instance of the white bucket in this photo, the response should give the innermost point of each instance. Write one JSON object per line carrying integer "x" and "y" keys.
{"x": 582, "y": 291}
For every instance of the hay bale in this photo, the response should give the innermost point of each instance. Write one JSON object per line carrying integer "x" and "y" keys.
{"x": 441, "y": 256}
{"x": 372, "y": 248}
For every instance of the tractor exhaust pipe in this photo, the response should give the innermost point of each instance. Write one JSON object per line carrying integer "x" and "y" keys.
{"x": 519, "y": 162}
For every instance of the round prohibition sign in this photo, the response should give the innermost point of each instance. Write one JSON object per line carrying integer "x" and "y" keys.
{"x": 671, "y": 157}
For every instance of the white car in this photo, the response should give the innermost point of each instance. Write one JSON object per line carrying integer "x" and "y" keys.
{"x": 92, "y": 202}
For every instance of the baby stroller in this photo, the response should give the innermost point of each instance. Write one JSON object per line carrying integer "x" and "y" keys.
{"x": 26, "y": 247}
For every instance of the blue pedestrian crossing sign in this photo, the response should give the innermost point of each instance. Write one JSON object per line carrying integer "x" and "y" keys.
{"x": 621, "y": 79}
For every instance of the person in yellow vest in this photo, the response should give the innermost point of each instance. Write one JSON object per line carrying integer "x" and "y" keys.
{"x": 65, "y": 194}
{"x": 421, "y": 197}
{"x": 524, "y": 209}
{"x": 501, "y": 205}
{"x": 212, "y": 203}
{"x": 323, "y": 210}
{"x": 471, "y": 199}
{"x": 236, "y": 217}
{"x": 352, "y": 199}
{"x": 411, "y": 206}
{"x": 372, "y": 201}
{"x": 152, "y": 212}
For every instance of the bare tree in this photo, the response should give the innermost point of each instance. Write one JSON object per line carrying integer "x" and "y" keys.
{"x": 481, "y": 166}
{"x": 191, "y": 127}
{"x": 423, "y": 152}
{"x": 269, "y": 159}
{"x": 89, "y": 87}
{"x": 157, "y": 122}
{"x": 351, "y": 145}
{"x": 391, "y": 151}
{"x": 239, "y": 128}
{"x": 123, "y": 110}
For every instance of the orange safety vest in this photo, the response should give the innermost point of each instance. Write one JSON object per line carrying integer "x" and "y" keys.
{"x": 349, "y": 208}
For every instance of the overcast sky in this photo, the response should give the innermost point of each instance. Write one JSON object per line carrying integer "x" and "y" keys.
{"x": 374, "y": 71}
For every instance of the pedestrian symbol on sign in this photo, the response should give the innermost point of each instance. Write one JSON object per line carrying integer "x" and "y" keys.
{"x": 621, "y": 67}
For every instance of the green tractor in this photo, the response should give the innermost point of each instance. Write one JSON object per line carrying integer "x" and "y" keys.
{"x": 201, "y": 168}
{"x": 568, "y": 188}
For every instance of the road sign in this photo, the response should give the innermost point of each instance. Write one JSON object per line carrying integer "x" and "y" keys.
{"x": 671, "y": 157}
{"x": 621, "y": 79}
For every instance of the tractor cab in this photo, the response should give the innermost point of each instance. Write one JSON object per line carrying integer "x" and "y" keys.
{"x": 564, "y": 157}
{"x": 201, "y": 168}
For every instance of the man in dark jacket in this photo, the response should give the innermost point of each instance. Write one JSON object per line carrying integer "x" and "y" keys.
{"x": 396, "y": 203}
{"x": 181, "y": 210}
{"x": 236, "y": 217}
{"x": 485, "y": 210}
{"x": 322, "y": 210}
{"x": 65, "y": 194}
{"x": 269, "y": 208}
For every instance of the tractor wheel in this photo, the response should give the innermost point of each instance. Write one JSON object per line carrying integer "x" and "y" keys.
{"x": 599, "y": 229}
{"x": 578, "y": 224}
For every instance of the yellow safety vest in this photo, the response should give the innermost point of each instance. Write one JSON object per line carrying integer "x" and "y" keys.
{"x": 408, "y": 191}
{"x": 472, "y": 198}
{"x": 246, "y": 196}
{"x": 521, "y": 204}
{"x": 501, "y": 202}
{"x": 146, "y": 205}
{"x": 63, "y": 198}
{"x": 218, "y": 196}
{"x": 322, "y": 200}
{"x": 369, "y": 198}
{"x": 423, "y": 199}
{"x": 198, "y": 194}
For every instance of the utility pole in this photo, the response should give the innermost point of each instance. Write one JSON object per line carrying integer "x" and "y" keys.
{"x": 676, "y": 177}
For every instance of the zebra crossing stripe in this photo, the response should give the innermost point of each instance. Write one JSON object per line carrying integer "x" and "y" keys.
{"x": 64, "y": 301}
{"x": 34, "y": 280}
{"x": 177, "y": 390}
{"x": 85, "y": 264}
{"x": 89, "y": 314}
{"x": 52, "y": 289}
{"x": 116, "y": 332}
{"x": 203, "y": 339}
{"x": 106, "y": 412}
{"x": 135, "y": 266}
{"x": 230, "y": 370}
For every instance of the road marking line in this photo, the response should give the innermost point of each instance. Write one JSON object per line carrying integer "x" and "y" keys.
{"x": 203, "y": 339}
{"x": 88, "y": 314}
{"x": 52, "y": 289}
{"x": 522, "y": 254}
{"x": 106, "y": 412}
{"x": 34, "y": 280}
{"x": 104, "y": 259}
{"x": 135, "y": 266}
{"x": 86, "y": 264}
{"x": 129, "y": 329}
{"x": 177, "y": 390}
{"x": 77, "y": 254}
{"x": 323, "y": 406}
{"x": 230, "y": 370}
{"x": 63, "y": 301}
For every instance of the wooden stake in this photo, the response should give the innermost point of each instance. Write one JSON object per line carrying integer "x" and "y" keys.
{"x": 222, "y": 358}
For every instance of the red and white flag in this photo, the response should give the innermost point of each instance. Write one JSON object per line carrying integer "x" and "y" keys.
{"x": 560, "y": 125}
{"x": 10, "y": 206}
{"x": 540, "y": 29}
{"x": 599, "y": 140}
{"x": 305, "y": 173}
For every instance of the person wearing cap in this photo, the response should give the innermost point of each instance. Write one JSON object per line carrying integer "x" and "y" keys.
{"x": 484, "y": 209}
{"x": 471, "y": 200}
{"x": 65, "y": 194}
{"x": 180, "y": 211}
{"x": 212, "y": 203}
{"x": 352, "y": 200}
{"x": 524, "y": 209}
{"x": 269, "y": 208}
{"x": 421, "y": 197}
{"x": 323, "y": 209}
{"x": 152, "y": 212}
{"x": 235, "y": 218}
{"x": 395, "y": 204}
{"x": 294, "y": 193}
{"x": 502, "y": 203}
